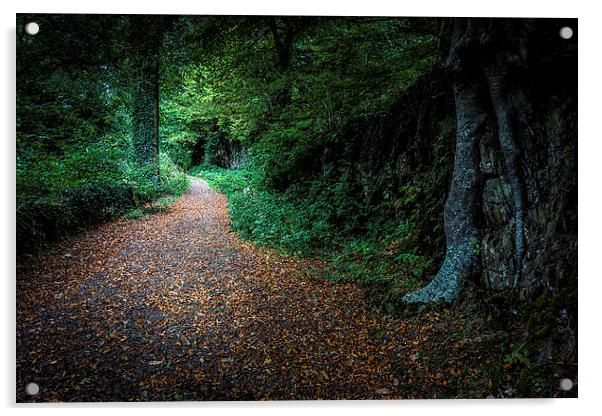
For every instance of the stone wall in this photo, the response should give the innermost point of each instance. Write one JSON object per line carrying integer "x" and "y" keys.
{"x": 546, "y": 104}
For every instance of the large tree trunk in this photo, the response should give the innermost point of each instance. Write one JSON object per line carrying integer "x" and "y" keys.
{"x": 146, "y": 42}
{"x": 500, "y": 224}
{"x": 460, "y": 215}
{"x": 145, "y": 118}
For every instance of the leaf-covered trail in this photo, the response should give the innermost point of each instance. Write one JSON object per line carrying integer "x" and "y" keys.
{"x": 175, "y": 306}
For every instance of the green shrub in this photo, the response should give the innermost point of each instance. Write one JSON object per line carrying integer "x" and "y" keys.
{"x": 135, "y": 214}
{"x": 86, "y": 185}
{"x": 324, "y": 221}
{"x": 173, "y": 181}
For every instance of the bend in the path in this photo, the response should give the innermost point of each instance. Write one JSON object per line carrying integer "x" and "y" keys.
{"x": 175, "y": 306}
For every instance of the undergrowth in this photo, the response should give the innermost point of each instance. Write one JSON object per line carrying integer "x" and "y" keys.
{"x": 381, "y": 256}
{"x": 59, "y": 194}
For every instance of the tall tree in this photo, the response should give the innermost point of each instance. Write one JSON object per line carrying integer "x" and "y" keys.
{"x": 145, "y": 46}
{"x": 492, "y": 61}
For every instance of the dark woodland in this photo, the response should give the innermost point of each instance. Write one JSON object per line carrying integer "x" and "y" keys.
{"x": 295, "y": 208}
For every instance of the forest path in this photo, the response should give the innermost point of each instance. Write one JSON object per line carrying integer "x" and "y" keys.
{"x": 175, "y": 306}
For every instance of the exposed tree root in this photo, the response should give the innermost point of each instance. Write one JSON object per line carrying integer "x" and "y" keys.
{"x": 459, "y": 263}
{"x": 511, "y": 152}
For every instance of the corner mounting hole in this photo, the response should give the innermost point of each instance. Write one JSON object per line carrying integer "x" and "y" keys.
{"x": 566, "y": 32}
{"x": 566, "y": 384}
{"x": 32, "y": 28}
{"x": 32, "y": 389}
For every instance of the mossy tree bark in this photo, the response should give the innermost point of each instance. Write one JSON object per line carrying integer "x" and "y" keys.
{"x": 146, "y": 36}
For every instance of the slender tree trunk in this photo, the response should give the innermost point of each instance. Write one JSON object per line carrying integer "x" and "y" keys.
{"x": 145, "y": 118}
{"x": 156, "y": 114}
{"x": 146, "y": 42}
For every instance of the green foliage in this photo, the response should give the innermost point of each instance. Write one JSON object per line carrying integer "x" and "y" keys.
{"x": 76, "y": 155}
{"x": 517, "y": 357}
{"x": 293, "y": 102}
{"x": 135, "y": 214}
{"x": 268, "y": 218}
{"x": 383, "y": 262}
{"x": 172, "y": 180}
{"x": 57, "y": 195}
{"x": 335, "y": 70}
{"x": 160, "y": 205}
{"x": 382, "y": 258}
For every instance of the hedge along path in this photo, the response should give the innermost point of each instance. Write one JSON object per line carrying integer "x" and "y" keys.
{"x": 174, "y": 306}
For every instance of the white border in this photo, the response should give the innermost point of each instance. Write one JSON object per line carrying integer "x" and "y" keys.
{"x": 590, "y": 201}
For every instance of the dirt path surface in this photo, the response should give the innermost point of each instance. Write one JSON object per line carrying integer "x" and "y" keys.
{"x": 174, "y": 306}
